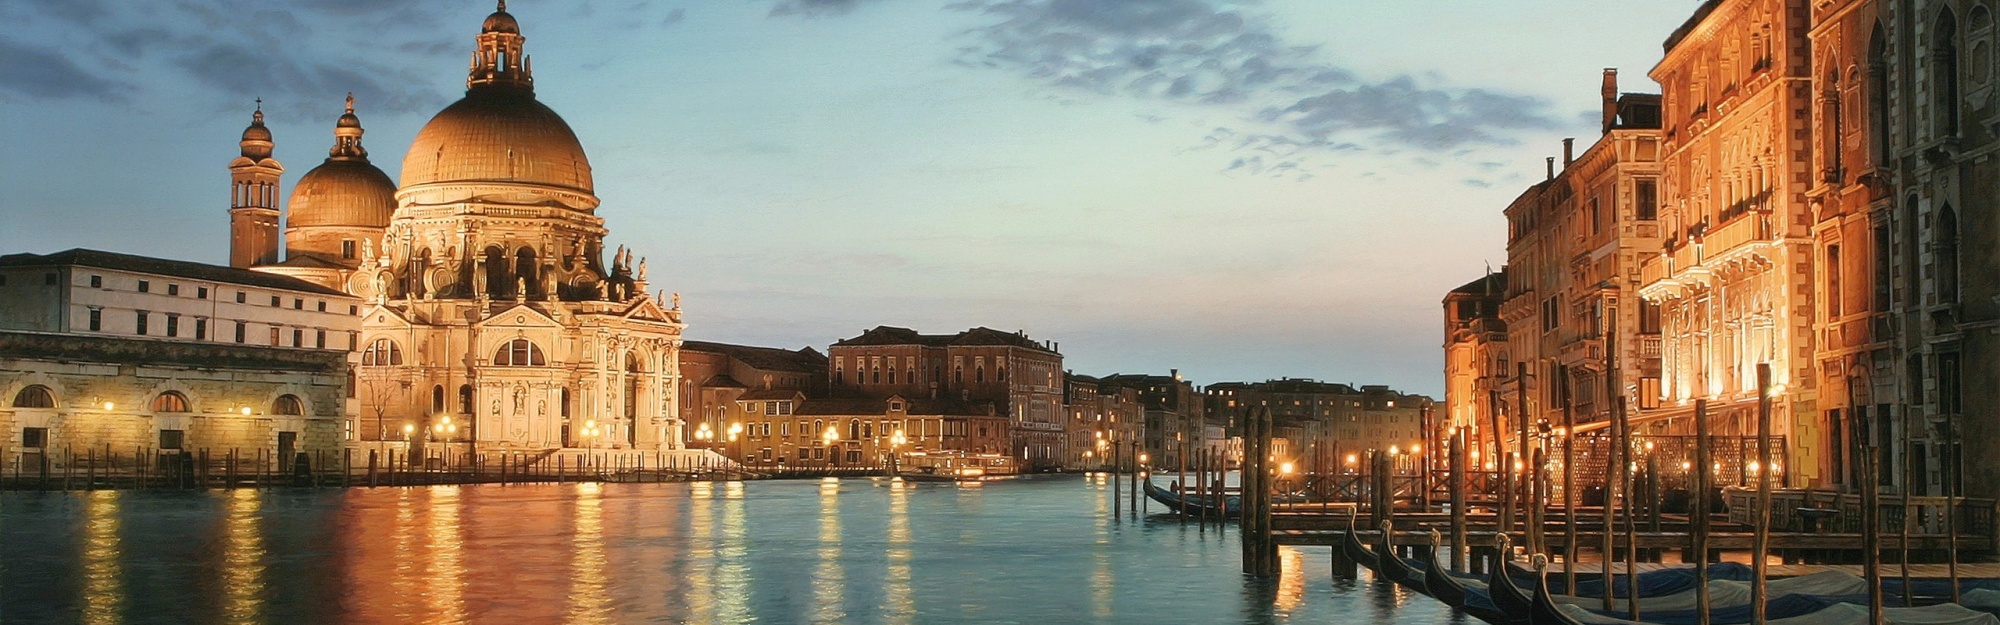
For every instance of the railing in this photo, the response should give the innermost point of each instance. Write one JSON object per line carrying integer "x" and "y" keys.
{"x": 1750, "y": 227}
{"x": 1649, "y": 346}
{"x": 1975, "y": 516}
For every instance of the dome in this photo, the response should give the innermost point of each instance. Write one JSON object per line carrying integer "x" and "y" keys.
{"x": 342, "y": 193}
{"x": 497, "y": 135}
{"x": 500, "y": 22}
{"x": 256, "y": 143}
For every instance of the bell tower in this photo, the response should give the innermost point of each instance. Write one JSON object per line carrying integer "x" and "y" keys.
{"x": 499, "y": 60}
{"x": 253, "y": 198}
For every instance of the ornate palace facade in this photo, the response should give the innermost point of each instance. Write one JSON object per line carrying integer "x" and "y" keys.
{"x": 493, "y": 317}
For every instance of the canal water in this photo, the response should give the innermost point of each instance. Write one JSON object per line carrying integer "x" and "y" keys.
{"x": 1040, "y": 550}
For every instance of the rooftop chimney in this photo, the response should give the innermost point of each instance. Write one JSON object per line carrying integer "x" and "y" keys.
{"x": 1552, "y": 168}
{"x": 1569, "y": 151}
{"x": 1610, "y": 98}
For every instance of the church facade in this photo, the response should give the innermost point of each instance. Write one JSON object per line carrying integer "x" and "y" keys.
{"x": 492, "y": 318}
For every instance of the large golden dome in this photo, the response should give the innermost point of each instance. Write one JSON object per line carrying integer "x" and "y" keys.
{"x": 497, "y": 135}
{"x": 342, "y": 193}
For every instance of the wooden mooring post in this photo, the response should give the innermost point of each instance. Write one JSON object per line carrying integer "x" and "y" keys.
{"x": 1458, "y": 464}
{"x": 1699, "y": 504}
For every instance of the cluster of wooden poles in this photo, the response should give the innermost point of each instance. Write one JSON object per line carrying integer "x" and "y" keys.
{"x": 103, "y": 467}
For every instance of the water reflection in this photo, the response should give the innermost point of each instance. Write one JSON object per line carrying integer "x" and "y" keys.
{"x": 829, "y": 577}
{"x": 898, "y": 606}
{"x": 103, "y": 575}
{"x": 1032, "y": 550}
{"x": 243, "y": 558}
{"x": 587, "y": 601}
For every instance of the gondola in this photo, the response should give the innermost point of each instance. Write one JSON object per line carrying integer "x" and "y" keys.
{"x": 1507, "y": 597}
{"x": 1542, "y": 608}
{"x": 1356, "y": 551}
{"x": 1192, "y": 505}
{"x": 1393, "y": 567}
{"x": 1439, "y": 582}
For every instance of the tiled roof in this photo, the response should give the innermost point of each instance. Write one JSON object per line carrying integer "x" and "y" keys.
{"x": 890, "y": 335}
{"x": 1491, "y": 284}
{"x": 768, "y": 394}
{"x": 165, "y": 267}
{"x": 805, "y": 360}
{"x": 723, "y": 381}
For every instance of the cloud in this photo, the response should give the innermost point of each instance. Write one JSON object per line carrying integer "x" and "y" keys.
{"x": 44, "y": 73}
{"x": 1292, "y": 102}
{"x": 814, "y": 8}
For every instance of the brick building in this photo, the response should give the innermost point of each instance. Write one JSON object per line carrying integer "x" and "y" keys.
{"x": 1022, "y": 378}
{"x": 786, "y": 428}
{"x": 715, "y": 376}
{"x": 1098, "y": 413}
{"x": 1175, "y": 413}
{"x": 1475, "y": 359}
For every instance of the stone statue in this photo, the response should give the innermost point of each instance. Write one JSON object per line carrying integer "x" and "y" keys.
{"x": 600, "y": 290}
{"x": 549, "y": 284}
{"x": 367, "y": 251}
{"x": 520, "y": 401}
{"x": 642, "y": 269}
{"x": 381, "y": 286}
{"x": 677, "y": 300}
{"x": 520, "y": 288}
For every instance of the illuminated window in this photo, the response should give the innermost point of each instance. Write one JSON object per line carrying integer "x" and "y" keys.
{"x": 520, "y": 353}
{"x": 35, "y": 396}
{"x": 170, "y": 401}
{"x": 382, "y": 352}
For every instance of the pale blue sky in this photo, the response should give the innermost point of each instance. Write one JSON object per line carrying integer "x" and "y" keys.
{"x": 1240, "y": 190}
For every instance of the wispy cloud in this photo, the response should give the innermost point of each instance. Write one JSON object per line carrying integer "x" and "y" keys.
{"x": 1292, "y": 103}
{"x": 814, "y": 7}
{"x": 44, "y": 73}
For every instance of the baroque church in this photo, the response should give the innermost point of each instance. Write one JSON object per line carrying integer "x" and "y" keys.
{"x": 493, "y": 318}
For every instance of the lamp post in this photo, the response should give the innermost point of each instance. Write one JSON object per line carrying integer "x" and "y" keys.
{"x": 895, "y": 444}
{"x": 831, "y": 436}
{"x": 735, "y": 440}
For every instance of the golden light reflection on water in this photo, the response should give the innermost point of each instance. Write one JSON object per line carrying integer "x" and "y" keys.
{"x": 243, "y": 558}
{"x": 1292, "y": 581}
{"x": 103, "y": 586}
{"x": 701, "y": 552}
{"x": 733, "y": 574}
{"x": 444, "y": 581}
{"x": 1101, "y": 580}
{"x": 829, "y": 577}
{"x": 587, "y": 592}
{"x": 898, "y": 606}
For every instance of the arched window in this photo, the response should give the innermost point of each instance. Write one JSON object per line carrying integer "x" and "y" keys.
{"x": 853, "y": 429}
{"x": 1878, "y": 95}
{"x": 465, "y": 399}
{"x": 520, "y": 353}
{"x": 524, "y": 268}
{"x": 288, "y": 405}
{"x": 437, "y": 399}
{"x": 1944, "y": 75}
{"x": 35, "y": 396}
{"x": 170, "y": 401}
{"x": 498, "y": 281}
{"x": 382, "y": 353}
{"x": 1947, "y": 255}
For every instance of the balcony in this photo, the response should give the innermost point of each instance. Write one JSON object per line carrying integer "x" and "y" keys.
{"x": 1691, "y": 263}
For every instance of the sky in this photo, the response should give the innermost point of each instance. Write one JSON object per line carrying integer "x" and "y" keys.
{"x": 1239, "y": 190}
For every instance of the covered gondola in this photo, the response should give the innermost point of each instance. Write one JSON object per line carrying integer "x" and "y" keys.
{"x": 1193, "y": 505}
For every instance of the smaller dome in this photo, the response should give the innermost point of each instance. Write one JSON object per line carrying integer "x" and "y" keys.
{"x": 501, "y": 22}
{"x": 343, "y": 193}
{"x": 256, "y": 141}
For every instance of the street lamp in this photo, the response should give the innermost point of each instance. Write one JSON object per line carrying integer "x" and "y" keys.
{"x": 831, "y": 436}
{"x": 896, "y": 442}
{"x": 704, "y": 434}
{"x": 735, "y": 439}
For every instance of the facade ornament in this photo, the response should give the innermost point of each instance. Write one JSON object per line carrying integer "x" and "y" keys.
{"x": 367, "y": 250}
{"x": 600, "y": 290}
{"x": 642, "y": 268}
{"x": 520, "y": 288}
{"x": 677, "y": 300}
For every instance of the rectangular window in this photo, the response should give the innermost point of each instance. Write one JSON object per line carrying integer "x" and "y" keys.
{"x": 140, "y": 323}
{"x": 298, "y": 304}
{"x": 240, "y": 328}
{"x": 173, "y": 289}
{"x": 34, "y": 438}
{"x": 96, "y": 319}
{"x": 277, "y": 302}
{"x": 145, "y": 286}
{"x": 1648, "y": 200}
{"x": 97, "y": 282}
{"x": 3, "y": 279}
{"x": 241, "y": 297}
{"x": 173, "y": 325}
{"x": 298, "y": 337}
{"x": 1649, "y": 317}
{"x": 322, "y": 306}
{"x": 172, "y": 439}
{"x": 201, "y": 292}
{"x": 1833, "y": 271}
{"x": 201, "y": 329}
{"x": 353, "y": 341}
{"x": 353, "y": 310}
{"x": 319, "y": 339}
{"x": 49, "y": 279}
{"x": 1948, "y": 383}
{"x": 274, "y": 336}
{"x": 1881, "y": 272}
{"x": 347, "y": 249}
